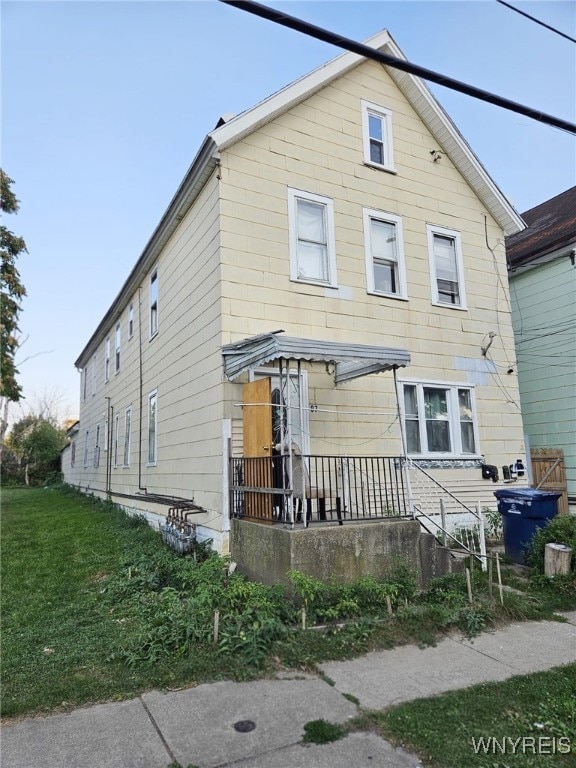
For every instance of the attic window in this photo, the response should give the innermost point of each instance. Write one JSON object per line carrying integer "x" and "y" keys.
{"x": 377, "y": 136}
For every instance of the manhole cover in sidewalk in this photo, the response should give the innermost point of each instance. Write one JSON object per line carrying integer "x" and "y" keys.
{"x": 244, "y": 726}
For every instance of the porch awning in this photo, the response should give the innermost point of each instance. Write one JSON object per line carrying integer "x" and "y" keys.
{"x": 350, "y": 360}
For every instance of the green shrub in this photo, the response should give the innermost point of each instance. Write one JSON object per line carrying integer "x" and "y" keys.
{"x": 559, "y": 530}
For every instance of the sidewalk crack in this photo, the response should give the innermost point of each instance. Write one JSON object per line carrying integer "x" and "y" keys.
{"x": 171, "y": 754}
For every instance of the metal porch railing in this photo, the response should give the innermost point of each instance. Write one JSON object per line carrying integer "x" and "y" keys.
{"x": 441, "y": 513}
{"x": 317, "y": 488}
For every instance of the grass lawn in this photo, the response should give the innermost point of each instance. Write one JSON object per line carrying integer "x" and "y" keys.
{"x": 95, "y": 608}
{"x": 57, "y": 550}
{"x": 524, "y": 722}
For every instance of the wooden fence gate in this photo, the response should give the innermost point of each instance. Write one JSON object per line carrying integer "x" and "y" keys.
{"x": 549, "y": 474}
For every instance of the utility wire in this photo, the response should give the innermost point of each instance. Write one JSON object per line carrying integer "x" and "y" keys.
{"x": 537, "y": 21}
{"x": 292, "y": 22}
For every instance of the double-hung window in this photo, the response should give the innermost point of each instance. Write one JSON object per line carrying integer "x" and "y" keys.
{"x": 439, "y": 419}
{"x": 97, "y": 447}
{"x": 446, "y": 267}
{"x": 312, "y": 244}
{"x": 153, "y": 295}
{"x": 94, "y": 373}
{"x": 384, "y": 246}
{"x": 127, "y": 431}
{"x": 117, "y": 350}
{"x": 116, "y": 438}
{"x": 152, "y": 427}
{"x": 131, "y": 321}
{"x": 377, "y": 136}
{"x": 86, "y": 447}
{"x": 107, "y": 360}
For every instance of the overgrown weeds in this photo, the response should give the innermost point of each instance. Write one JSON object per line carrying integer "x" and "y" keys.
{"x": 96, "y": 607}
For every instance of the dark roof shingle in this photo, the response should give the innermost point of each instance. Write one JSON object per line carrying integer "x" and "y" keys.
{"x": 550, "y": 226}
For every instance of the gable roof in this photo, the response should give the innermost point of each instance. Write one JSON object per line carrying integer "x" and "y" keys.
{"x": 551, "y": 226}
{"x": 230, "y": 131}
{"x": 416, "y": 92}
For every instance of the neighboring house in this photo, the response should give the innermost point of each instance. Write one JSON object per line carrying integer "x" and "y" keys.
{"x": 542, "y": 276}
{"x": 348, "y": 211}
{"x": 68, "y": 453}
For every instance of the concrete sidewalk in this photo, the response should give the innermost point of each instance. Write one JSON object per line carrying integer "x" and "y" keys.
{"x": 196, "y": 726}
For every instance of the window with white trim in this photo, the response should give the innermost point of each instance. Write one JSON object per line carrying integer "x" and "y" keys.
{"x": 97, "y": 447}
{"x": 86, "y": 447}
{"x": 84, "y": 381}
{"x": 377, "y": 136}
{"x": 131, "y": 321}
{"x": 107, "y": 360}
{"x": 152, "y": 427}
{"x": 153, "y": 293}
{"x": 384, "y": 247}
{"x": 127, "y": 433}
{"x": 94, "y": 373}
{"x": 446, "y": 267}
{"x": 117, "y": 349}
{"x": 439, "y": 419}
{"x": 116, "y": 438}
{"x": 105, "y": 435}
{"x": 312, "y": 244}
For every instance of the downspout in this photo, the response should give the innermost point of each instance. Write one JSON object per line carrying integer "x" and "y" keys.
{"x": 140, "y": 486}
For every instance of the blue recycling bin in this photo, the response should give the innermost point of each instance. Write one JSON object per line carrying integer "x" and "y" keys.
{"x": 523, "y": 511}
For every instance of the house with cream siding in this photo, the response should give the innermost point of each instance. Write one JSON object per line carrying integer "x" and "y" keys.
{"x": 316, "y": 331}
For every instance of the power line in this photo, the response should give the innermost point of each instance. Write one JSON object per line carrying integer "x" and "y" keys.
{"x": 537, "y": 21}
{"x": 292, "y": 22}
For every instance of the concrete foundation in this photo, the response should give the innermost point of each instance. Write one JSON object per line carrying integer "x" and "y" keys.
{"x": 266, "y": 553}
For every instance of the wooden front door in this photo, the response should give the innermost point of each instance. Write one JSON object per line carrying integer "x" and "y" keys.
{"x": 257, "y": 448}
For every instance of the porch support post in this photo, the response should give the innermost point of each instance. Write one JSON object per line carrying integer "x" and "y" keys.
{"x": 283, "y": 448}
{"x": 404, "y": 446}
{"x": 289, "y": 441}
{"x": 302, "y": 458}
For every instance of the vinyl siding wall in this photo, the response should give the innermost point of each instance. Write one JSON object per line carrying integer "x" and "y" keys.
{"x": 317, "y": 147}
{"x": 544, "y": 313}
{"x": 182, "y": 362}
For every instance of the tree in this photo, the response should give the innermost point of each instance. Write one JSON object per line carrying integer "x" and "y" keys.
{"x": 11, "y": 293}
{"x": 36, "y": 443}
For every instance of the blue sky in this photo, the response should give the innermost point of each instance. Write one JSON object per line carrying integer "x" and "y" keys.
{"x": 104, "y": 105}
